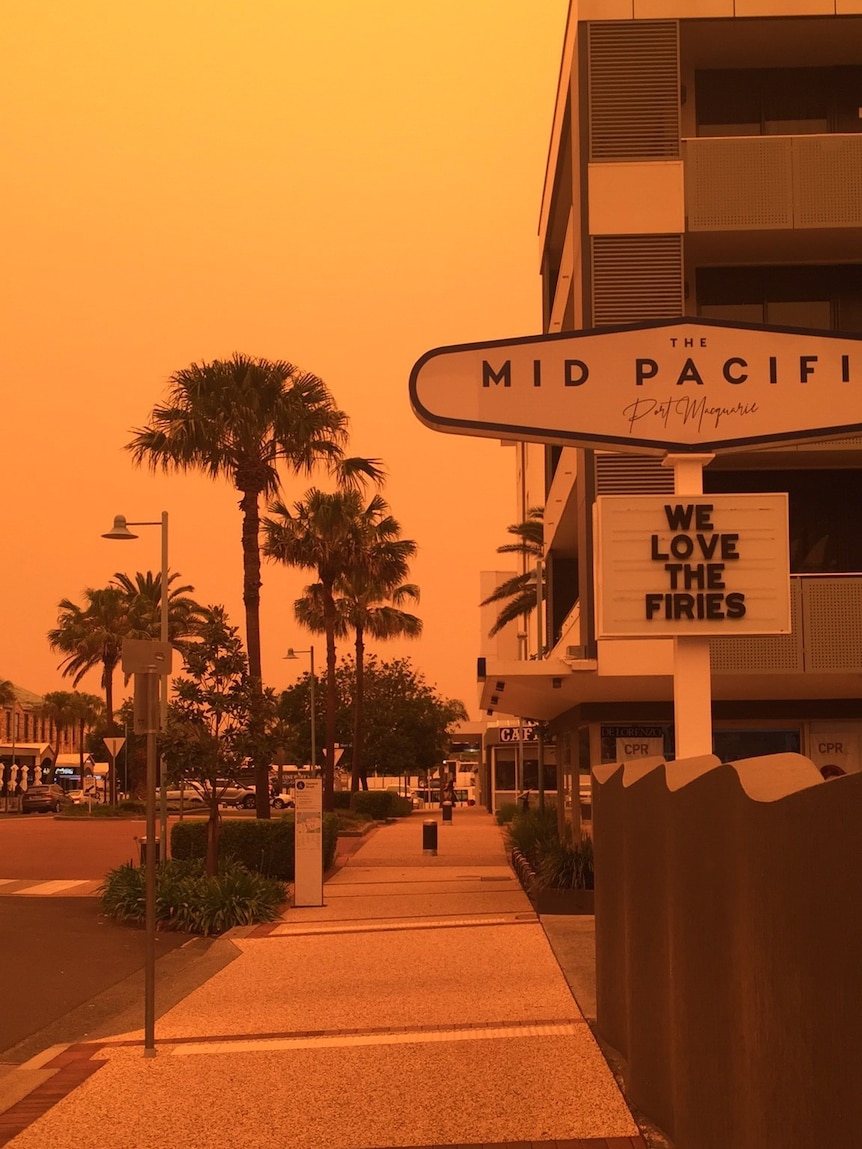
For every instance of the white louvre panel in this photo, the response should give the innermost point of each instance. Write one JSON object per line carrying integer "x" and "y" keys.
{"x": 832, "y": 618}
{"x": 634, "y": 90}
{"x": 828, "y": 181}
{"x": 636, "y": 277}
{"x": 739, "y": 184}
{"x": 768, "y": 654}
{"x": 632, "y": 474}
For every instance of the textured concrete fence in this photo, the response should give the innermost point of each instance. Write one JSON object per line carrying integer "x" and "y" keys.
{"x": 729, "y": 948}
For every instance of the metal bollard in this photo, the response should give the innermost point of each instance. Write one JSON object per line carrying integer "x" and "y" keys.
{"x": 447, "y": 813}
{"x": 429, "y": 838}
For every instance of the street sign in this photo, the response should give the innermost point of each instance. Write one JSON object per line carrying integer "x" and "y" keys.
{"x": 114, "y": 745}
{"x": 686, "y": 385}
{"x": 143, "y": 654}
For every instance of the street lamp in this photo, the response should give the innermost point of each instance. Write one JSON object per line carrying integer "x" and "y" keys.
{"x": 120, "y": 530}
{"x": 291, "y": 653}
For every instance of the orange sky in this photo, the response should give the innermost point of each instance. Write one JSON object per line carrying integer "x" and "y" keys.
{"x": 340, "y": 183}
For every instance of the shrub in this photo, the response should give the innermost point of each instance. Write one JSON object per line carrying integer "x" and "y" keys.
{"x": 400, "y": 807}
{"x": 341, "y": 799}
{"x": 188, "y": 900}
{"x": 263, "y": 845}
{"x": 506, "y": 813}
{"x": 376, "y": 803}
{"x": 566, "y": 867}
{"x": 100, "y": 810}
{"x": 534, "y": 833}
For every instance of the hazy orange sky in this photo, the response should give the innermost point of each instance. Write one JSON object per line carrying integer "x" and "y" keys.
{"x": 340, "y": 183}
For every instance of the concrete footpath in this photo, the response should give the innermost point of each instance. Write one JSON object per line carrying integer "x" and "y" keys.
{"x": 421, "y": 1006}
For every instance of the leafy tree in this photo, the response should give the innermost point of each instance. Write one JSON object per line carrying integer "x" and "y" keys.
{"x": 207, "y": 738}
{"x": 239, "y": 419}
{"x": 407, "y": 722}
{"x": 520, "y": 593}
{"x": 7, "y": 692}
{"x": 369, "y": 602}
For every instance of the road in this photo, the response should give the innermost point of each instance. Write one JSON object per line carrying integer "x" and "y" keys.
{"x": 60, "y": 958}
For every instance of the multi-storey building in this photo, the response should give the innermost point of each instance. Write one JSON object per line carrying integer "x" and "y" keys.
{"x": 705, "y": 161}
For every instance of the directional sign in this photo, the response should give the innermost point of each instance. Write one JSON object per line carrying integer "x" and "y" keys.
{"x": 687, "y": 385}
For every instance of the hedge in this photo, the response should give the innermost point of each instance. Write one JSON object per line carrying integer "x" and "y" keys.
{"x": 380, "y": 804}
{"x": 264, "y": 845}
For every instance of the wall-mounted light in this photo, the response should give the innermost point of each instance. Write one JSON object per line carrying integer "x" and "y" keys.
{"x": 557, "y": 683}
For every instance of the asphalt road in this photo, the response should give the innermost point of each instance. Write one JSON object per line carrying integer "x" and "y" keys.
{"x": 64, "y": 968}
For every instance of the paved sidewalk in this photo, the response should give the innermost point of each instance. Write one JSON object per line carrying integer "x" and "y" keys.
{"x": 420, "y": 1006}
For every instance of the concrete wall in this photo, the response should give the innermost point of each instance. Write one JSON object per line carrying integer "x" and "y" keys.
{"x": 729, "y": 947}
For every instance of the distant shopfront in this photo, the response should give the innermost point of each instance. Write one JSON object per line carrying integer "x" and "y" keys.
{"x": 517, "y": 758}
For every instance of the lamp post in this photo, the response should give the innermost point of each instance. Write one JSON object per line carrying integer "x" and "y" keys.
{"x": 120, "y": 530}
{"x": 291, "y": 653}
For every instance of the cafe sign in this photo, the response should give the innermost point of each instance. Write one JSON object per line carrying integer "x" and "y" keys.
{"x": 702, "y": 565}
{"x": 687, "y": 385}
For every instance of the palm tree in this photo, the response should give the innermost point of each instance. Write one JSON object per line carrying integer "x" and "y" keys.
{"x": 238, "y": 419}
{"x": 91, "y": 635}
{"x": 327, "y": 533}
{"x": 73, "y": 709}
{"x": 143, "y": 594}
{"x": 7, "y": 692}
{"x": 521, "y": 592}
{"x": 369, "y": 601}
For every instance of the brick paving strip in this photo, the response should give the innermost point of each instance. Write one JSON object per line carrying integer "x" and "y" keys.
{"x": 74, "y": 1065}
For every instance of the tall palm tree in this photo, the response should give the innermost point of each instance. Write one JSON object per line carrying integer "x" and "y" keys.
{"x": 91, "y": 635}
{"x": 520, "y": 594}
{"x": 326, "y": 532}
{"x": 369, "y": 601}
{"x": 239, "y": 419}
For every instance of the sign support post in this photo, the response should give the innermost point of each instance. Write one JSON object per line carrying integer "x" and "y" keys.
{"x": 692, "y": 673}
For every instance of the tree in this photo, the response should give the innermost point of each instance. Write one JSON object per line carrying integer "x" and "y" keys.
{"x": 520, "y": 593}
{"x": 207, "y": 738}
{"x": 369, "y": 602}
{"x": 239, "y": 419}
{"x": 143, "y": 595}
{"x": 73, "y": 710}
{"x": 407, "y": 722}
{"x": 326, "y": 532}
{"x": 7, "y": 692}
{"x": 91, "y": 635}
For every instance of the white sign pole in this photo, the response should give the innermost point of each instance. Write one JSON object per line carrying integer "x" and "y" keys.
{"x": 692, "y": 673}
{"x": 308, "y": 843}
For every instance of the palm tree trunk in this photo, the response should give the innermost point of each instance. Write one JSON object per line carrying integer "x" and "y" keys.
{"x": 251, "y": 601}
{"x": 357, "y": 772}
{"x": 329, "y": 759}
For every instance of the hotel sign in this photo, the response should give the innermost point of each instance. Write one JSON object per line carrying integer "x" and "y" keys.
{"x": 701, "y": 565}
{"x": 687, "y": 385}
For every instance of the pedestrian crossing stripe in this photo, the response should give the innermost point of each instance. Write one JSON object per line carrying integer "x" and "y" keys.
{"x": 35, "y": 888}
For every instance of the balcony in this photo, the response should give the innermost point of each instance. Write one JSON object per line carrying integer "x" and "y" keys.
{"x": 762, "y": 183}
{"x": 826, "y": 639}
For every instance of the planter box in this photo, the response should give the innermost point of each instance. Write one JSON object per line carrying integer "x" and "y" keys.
{"x": 546, "y": 901}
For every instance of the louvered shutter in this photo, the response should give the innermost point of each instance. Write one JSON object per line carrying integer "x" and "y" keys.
{"x": 635, "y": 278}
{"x": 634, "y": 90}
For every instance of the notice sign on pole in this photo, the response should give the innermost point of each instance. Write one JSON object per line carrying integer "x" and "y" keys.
{"x": 692, "y": 565}
{"x": 308, "y": 843}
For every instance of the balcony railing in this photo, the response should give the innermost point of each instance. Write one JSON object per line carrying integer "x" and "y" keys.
{"x": 740, "y": 183}
{"x": 826, "y": 617}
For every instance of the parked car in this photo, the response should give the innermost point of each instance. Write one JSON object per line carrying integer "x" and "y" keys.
{"x": 283, "y": 801}
{"x": 44, "y": 799}
{"x": 229, "y": 794}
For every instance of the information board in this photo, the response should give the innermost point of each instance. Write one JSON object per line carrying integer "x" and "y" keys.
{"x": 308, "y": 843}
